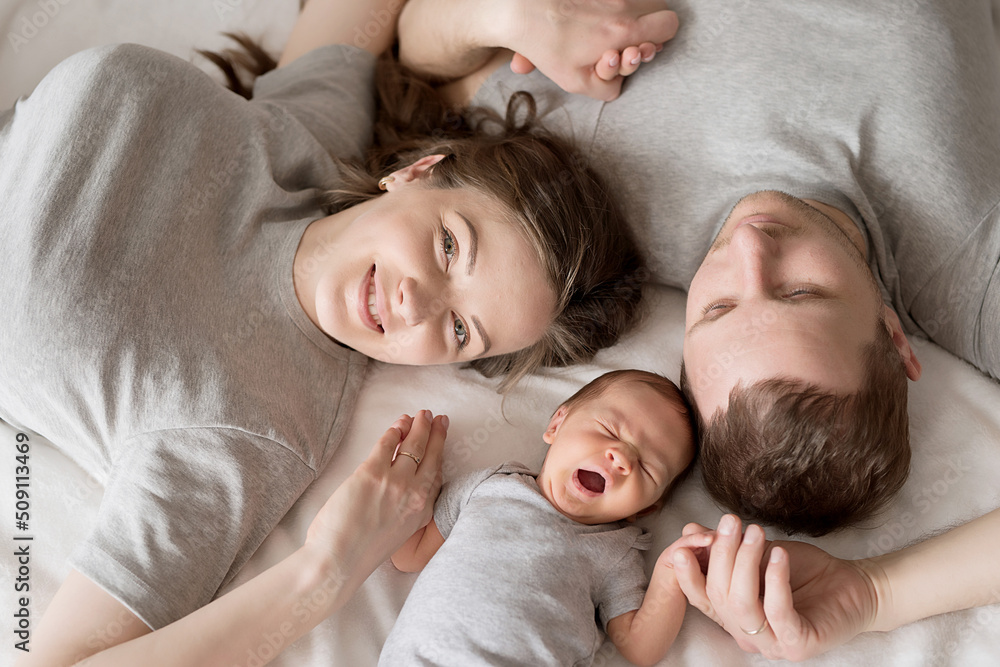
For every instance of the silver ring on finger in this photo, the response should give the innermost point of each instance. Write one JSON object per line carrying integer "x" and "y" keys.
{"x": 763, "y": 626}
{"x": 416, "y": 459}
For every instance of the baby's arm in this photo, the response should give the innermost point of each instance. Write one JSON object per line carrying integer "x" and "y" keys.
{"x": 419, "y": 549}
{"x": 644, "y": 635}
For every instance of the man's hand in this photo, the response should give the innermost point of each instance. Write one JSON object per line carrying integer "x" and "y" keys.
{"x": 811, "y": 601}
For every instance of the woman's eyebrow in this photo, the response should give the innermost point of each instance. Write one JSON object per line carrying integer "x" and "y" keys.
{"x": 487, "y": 344}
{"x": 470, "y": 264}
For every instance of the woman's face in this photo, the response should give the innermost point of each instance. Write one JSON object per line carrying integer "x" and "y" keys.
{"x": 421, "y": 275}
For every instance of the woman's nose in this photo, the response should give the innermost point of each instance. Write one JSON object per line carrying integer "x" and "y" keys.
{"x": 417, "y": 302}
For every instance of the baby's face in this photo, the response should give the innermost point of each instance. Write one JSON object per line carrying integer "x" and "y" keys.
{"x": 614, "y": 455}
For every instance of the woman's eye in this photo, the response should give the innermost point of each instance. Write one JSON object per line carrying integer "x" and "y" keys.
{"x": 448, "y": 244}
{"x": 461, "y": 334}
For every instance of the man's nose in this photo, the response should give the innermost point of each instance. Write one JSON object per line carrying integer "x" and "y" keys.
{"x": 418, "y": 302}
{"x": 755, "y": 251}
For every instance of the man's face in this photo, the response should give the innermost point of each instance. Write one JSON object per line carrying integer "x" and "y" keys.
{"x": 783, "y": 292}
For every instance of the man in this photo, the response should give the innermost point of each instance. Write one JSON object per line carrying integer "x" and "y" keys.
{"x": 883, "y": 129}
{"x": 823, "y": 179}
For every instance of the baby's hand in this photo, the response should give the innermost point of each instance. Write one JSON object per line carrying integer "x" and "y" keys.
{"x": 695, "y": 538}
{"x": 623, "y": 63}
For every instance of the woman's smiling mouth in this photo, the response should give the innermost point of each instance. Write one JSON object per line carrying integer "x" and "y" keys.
{"x": 368, "y": 303}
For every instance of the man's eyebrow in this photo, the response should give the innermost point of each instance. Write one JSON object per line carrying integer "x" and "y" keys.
{"x": 487, "y": 344}
{"x": 470, "y": 264}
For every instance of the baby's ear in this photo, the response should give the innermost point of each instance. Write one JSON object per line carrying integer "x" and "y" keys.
{"x": 557, "y": 419}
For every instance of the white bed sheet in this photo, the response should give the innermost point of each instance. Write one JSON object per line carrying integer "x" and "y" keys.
{"x": 955, "y": 415}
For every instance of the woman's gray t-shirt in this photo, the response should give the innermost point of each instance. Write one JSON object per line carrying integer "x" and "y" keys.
{"x": 151, "y": 329}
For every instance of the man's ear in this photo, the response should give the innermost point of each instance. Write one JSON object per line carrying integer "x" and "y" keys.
{"x": 913, "y": 368}
{"x": 557, "y": 419}
{"x": 411, "y": 173}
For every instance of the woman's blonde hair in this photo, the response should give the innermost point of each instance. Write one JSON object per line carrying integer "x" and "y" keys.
{"x": 563, "y": 208}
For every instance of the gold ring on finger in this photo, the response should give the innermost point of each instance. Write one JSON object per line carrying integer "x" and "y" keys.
{"x": 763, "y": 626}
{"x": 416, "y": 459}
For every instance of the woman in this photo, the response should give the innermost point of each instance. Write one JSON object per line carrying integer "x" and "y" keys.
{"x": 184, "y": 314}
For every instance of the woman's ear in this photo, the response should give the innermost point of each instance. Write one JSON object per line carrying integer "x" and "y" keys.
{"x": 411, "y": 173}
{"x": 557, "y": 419}
{"x": 913, "y": 368}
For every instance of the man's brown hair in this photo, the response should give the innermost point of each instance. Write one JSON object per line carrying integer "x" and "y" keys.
{"x": 792, "y": 455}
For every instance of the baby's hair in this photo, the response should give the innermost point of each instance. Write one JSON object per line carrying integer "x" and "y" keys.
{"x": 663, "y": 386}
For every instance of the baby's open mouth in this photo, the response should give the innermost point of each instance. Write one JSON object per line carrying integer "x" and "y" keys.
{"x": 590, "y": 480}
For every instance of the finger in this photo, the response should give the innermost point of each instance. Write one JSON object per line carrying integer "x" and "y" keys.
{"x": 416, "y": 440}
{"x": 692, "y": 528}
{"x": 521, "y": 65}
{"x": 655, "y": 27}
{"x": 744, "y": 589}
{"x": 692, "y": 582}
{"x": 594, "y": 86}
{"x": 720, "y": 566}
{"x": 607, "y": 67}
{"x": 433, "y": 452}
{"x": 385, "y": 449}
{"x": 647, "y": 51}
{"x": 779, "y": 605}
{"x": 403, "y": 424}
{"x": 631, "y": 59}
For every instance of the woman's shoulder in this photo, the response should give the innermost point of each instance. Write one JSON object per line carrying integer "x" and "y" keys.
{"x": 118, "y": 72}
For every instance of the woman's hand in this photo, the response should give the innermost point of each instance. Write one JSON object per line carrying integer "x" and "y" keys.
{"x": 389, "y": 497}
{"x": 570, "y": 42}
{"x": 811, "y": 601}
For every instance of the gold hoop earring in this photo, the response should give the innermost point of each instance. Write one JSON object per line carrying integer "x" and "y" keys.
{"x": 383, "y": 183}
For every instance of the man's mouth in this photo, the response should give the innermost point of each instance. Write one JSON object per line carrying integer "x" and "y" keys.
{"x": 591, "y": 481}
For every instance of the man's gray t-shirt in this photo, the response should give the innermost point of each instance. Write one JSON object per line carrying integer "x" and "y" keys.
{"x": 889, "y": 111}
{"x": 516, "y": 582}
{"x": 151, "y": 328}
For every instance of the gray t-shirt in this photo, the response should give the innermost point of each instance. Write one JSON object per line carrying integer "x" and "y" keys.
{"x": 515, "y": 583}
{"x": 151, "y": 329}
{"x": 886, "y": 110}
